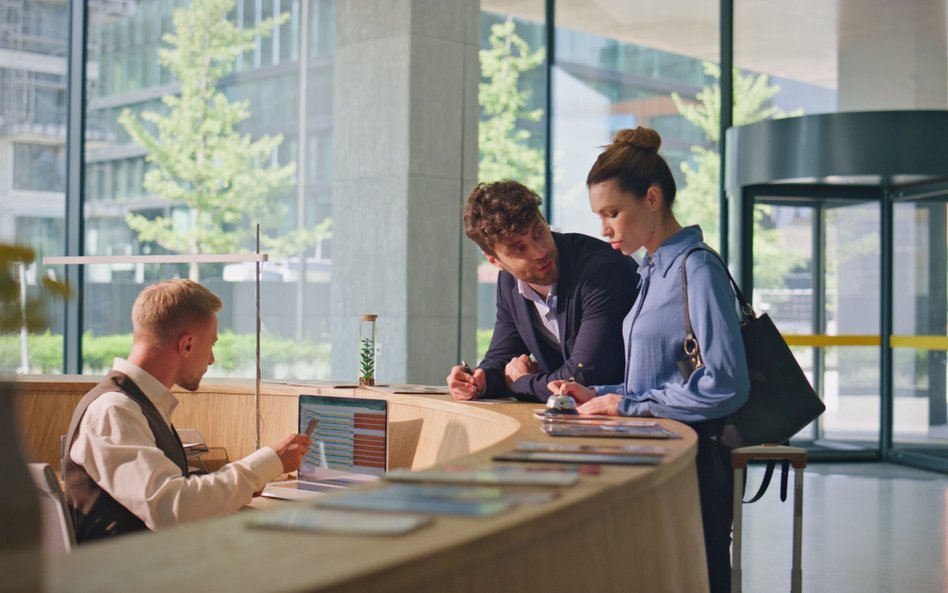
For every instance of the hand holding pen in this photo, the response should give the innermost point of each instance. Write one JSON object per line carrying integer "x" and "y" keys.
{"x": 466, "y": 384}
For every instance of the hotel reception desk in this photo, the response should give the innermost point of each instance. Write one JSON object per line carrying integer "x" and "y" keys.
{"x": 629, "y": 528}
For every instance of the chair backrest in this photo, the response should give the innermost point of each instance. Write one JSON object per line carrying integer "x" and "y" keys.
{"x": 58, "y": 533}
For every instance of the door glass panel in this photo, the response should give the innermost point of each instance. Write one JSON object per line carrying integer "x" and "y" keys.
{"x": 784, "y": 281}
{"x": 919, "y": 327}
{"x": 852, "y": 308}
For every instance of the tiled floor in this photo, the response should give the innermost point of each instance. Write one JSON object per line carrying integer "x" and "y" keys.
{"x": 867, "y": 528}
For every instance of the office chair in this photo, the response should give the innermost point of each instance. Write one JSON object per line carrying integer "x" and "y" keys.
{"x": 58, "y": 534}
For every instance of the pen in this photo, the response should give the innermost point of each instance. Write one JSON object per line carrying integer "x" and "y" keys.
{"x": 467, "y": 370}
{"x": 313, "y": 423}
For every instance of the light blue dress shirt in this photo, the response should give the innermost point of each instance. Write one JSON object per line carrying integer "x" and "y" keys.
{"x": 654, "y": 332}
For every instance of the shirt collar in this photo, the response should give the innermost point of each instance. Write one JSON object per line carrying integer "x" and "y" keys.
{"x": 151, "y": 387}
{"x": 529, "y": 293}
{"x": 674, "y": 246}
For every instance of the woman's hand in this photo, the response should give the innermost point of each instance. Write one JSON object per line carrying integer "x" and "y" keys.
{"x": 604, "y": 405}
{"x": 578, "y": 392}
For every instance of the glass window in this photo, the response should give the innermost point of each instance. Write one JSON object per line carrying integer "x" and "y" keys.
{"x": 512, "y": 131}
{"x": 189, "y": 201}
{"x": 39, "y": 167}
{"x": 32, "y": 139}
{"x": 620, "y": 69}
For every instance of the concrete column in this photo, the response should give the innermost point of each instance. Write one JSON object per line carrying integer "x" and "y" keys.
{"x": 405, "y": 119}
{"x": 892, "y": 55}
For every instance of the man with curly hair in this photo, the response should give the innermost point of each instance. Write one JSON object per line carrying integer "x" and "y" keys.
{"x": 561, "y": 298}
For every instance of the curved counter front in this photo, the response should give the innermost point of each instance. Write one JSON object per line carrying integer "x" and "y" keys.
{"x": 630, "y": 528}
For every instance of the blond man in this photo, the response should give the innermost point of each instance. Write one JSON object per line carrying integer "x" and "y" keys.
{"x": 126, "y": 470}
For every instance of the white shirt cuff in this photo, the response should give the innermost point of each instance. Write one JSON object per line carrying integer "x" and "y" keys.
{"x": 264, "y": 464}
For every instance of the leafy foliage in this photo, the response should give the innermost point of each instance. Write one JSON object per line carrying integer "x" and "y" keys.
{"x": 17, "y": 312}
{"x": 225, "y": 178}
{"x": 505, "y": 151}
{"x": 366, "y": 361}
{"x": 234, "y": 354}
{"x": 697, "y": 201}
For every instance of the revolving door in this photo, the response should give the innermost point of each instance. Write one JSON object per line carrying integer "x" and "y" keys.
{"x": 843, "y": 244}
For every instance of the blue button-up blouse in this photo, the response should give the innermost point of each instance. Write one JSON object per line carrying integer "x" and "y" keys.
{"x": 654, "y": 332}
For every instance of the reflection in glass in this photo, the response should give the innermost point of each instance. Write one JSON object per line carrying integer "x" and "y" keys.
{"x": 141, "y": 201}
{"x": 33, "y": 41}
{"x": 784, "y": 286}
{"x": 605, "y": 80}
{"x": 512, "y": 131}
{"x": 919, "y": 309}
{"x": 852, "y": 380}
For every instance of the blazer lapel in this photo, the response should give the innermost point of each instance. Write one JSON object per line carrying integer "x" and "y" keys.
{"x": 564, "y": 289}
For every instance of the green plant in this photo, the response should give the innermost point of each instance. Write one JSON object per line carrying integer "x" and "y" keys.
{"x": 697, "y": 201}
{"x": 23, "y": 310}
{"x": 366, "y": 362}
{"x": 19, "y": 310}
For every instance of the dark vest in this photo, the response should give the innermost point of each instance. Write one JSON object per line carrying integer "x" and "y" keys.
{"x": 95, "y": 513}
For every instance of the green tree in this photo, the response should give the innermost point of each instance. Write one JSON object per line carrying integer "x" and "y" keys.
{"x": 697, "y": 201}
{"x": 200, "y": 160}
{"x": 505, "y": 151}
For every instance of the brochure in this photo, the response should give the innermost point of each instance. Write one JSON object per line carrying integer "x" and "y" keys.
{"x": 557, "y": 429}
{"x": 412, "y": 389}
{"x": 560, "y": 457}
{"x": 594, "y": 420}
{"x": 471, "y": 501}
{"x": 300, "y": 518}
{"x": 591, "y": 449}
{"x": 496, "y": 475}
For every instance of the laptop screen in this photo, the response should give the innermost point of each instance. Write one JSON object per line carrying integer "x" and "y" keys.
{"x": 353, "y": 432}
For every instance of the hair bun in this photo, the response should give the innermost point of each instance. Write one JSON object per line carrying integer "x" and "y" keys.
{"x": 643, "y": 138}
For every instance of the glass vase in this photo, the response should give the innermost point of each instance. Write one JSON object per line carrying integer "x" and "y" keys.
{"x": 367, "y": 349}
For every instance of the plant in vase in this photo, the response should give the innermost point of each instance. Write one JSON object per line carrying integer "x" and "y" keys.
{"x": 366, "y": 362}
{"x": 20, "y": 551}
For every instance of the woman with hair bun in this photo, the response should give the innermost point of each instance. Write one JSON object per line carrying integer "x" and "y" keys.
{"x": 632, "y": 190}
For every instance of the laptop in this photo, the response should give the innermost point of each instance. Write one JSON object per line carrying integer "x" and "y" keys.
{"x": 350, "y": 446}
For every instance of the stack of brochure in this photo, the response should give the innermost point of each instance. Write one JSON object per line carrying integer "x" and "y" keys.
{"x": 577, "y": 453}
{"x": 302, "y": 518}
{"x": 472, "y": 501}
{"x": 504, "y": 475}
{"x": 609, "y": 426}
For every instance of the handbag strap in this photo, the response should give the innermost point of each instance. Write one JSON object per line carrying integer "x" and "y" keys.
{"x": 747, "y": 312}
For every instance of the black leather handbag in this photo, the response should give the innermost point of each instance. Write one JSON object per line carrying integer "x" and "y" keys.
{"x": 781, "y": 400}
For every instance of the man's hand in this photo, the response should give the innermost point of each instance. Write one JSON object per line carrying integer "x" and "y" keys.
{"x": 464, "y": 386}
{"x": 518, "y": 367}
{"x": 291, "y": 451}
{"x": 578, "y": 392}
{"x": 604, "y": 405}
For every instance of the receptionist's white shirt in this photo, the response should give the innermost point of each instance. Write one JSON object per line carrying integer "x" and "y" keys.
{"x": 116, "y": 447}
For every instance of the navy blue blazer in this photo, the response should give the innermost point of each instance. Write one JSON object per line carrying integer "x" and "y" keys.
{"x": 596, "y": 288}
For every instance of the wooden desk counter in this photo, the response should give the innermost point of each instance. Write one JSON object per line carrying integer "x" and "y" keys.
{"x": 627, "y": 529}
